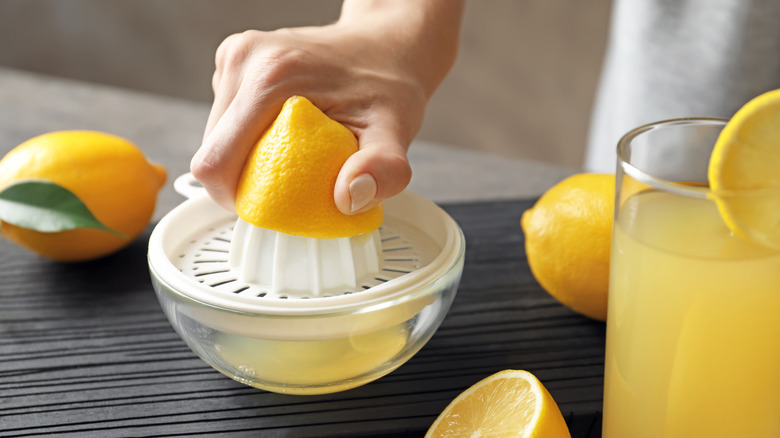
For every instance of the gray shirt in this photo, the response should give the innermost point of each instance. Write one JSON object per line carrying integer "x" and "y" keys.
{"x": 681, "y": 58}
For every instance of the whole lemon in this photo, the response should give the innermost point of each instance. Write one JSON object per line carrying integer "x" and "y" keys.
{"x": 110, "y": 175}
{"x": 568, "y": 235}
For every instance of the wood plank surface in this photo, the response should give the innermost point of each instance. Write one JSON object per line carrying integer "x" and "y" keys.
{"x": 86, "y": 351}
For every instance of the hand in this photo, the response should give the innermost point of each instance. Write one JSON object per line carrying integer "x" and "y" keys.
{"x": 373, "y": 71}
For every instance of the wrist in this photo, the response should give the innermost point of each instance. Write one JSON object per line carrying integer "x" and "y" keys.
{"x": 421, "y": 37}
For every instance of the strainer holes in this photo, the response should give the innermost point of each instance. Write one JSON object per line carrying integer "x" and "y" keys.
{"x": 410, "y": 259}
{"x": 282, "y": 297}
{"x": 222, "y": 283}
{"x": 399, "y": 248}
{"x": 400, "y": 271}
{"x": 388, "y": 239}
{"x": 238, "y": 291}
{"x": 262, "y": 294}
{"x": 222, "y": 239}
{"x": 215, "y": 250}
{"x": 203, "y": 274}
{"x": 381, "y": 279}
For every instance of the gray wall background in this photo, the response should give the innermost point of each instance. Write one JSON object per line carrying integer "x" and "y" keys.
{"x": 523, "y": 84}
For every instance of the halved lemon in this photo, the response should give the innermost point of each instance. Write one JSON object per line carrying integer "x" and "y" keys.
{"x": 744, "y": 171}
{"x": 510, "y": 403}
{"x": 288, "y": 179}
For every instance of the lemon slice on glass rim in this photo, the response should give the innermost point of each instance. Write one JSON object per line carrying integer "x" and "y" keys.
{"x": 744, "y": 171}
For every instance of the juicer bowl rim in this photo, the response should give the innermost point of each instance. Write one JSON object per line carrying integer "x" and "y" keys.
{"x": 388, "y": 294}
{"x": 431, "y": 288}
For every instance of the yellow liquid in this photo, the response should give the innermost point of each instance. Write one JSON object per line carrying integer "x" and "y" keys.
{"x": 693, "y": 330}
{"x": 313, "y": 367}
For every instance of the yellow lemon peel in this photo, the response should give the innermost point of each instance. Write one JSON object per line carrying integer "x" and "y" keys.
{"x": 109, "y": 174}
{"x": 288, "y": 180}
{"x": 568, "y": 238}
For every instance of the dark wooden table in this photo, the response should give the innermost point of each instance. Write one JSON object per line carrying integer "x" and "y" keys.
{"x": 86, "y": 351}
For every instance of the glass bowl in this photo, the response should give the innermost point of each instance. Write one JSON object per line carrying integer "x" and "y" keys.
{"x": 304, "y": 346}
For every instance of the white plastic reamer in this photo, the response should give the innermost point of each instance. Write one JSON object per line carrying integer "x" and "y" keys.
{"x": 296, "y": 266}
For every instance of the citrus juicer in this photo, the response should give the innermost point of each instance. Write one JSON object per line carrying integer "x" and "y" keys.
{"x": 298, "y": 315}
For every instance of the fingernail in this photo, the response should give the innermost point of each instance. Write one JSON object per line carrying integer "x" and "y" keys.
{"x": 362, "y": 190}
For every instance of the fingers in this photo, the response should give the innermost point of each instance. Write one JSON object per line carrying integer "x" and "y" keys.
{"x": 220, "y": 159}
{"x": 246, "y": 99}
{"x": 226, "y": 86}
{"x": 230, "y": 64}
{"x": 377, "y": 171}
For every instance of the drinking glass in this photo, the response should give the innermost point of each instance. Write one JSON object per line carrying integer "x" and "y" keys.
{"x": 693, "y": 327}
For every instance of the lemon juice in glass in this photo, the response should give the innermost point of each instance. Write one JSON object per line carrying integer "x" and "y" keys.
{"x": 693, "y": 329}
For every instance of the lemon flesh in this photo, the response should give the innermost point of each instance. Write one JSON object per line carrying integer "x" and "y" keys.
{"x": 508, "y": 403}
{"x": 744, "y": 171}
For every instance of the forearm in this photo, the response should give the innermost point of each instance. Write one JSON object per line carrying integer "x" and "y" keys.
{"x": 423, "y": 35}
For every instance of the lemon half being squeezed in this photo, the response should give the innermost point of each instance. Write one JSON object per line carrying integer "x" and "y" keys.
{"x": 288, "y": 180}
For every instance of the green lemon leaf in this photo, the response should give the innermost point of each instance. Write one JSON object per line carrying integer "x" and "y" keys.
{"x": 46, "y": 207}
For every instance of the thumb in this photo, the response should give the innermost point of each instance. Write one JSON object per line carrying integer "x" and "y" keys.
{"x": 377, "y": 171}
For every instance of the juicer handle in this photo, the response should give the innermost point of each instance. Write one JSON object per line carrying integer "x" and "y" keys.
{"x": 187, "y": 186}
